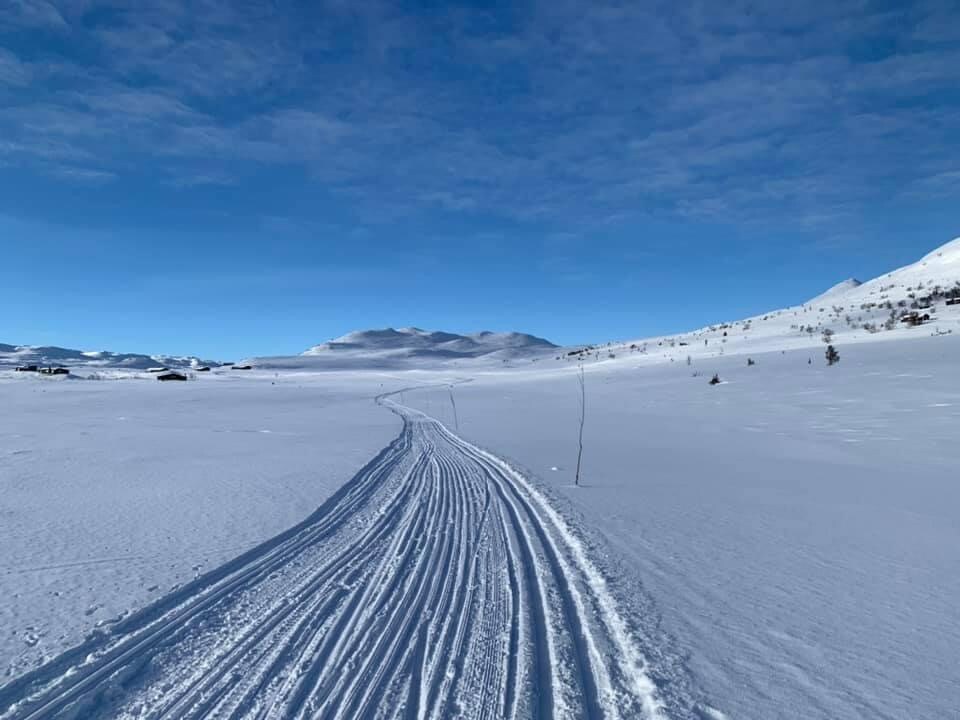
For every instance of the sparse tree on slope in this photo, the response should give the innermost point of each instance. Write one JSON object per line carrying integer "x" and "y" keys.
{"x": 832, "y": 355}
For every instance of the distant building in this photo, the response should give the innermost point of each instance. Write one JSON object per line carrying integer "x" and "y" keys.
{"x": 157, "y": 369}
{"x": 915, "y": 318}
{"x": 171, "y": 376}
{"x": 54, "y": 371}
{"x": 27, "y": 368}
{"x": 243, "y": 367}
{"x": 201, "y": 369}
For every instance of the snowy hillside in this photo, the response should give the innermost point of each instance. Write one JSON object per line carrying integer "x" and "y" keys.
{"x": 918, "y": 300}
{"x": 412, "y": 347}
{"x": 837, "y": 290}
{"x": 16, "y": 355}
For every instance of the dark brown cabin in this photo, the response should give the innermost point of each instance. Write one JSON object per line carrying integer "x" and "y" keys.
{"x": 171, "y": 376}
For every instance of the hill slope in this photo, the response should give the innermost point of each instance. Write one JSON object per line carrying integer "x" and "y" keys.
{"x": 879, "y": 309}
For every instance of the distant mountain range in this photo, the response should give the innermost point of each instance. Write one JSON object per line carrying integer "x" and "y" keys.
{"x": 16, "y": 355}
{"x": 365, "y": 348}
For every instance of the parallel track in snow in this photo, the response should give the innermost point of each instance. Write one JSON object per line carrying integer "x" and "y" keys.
{"x": 438, "y": 583}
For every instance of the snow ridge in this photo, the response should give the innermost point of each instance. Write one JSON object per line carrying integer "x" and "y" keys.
{"x": 838, "y": 289}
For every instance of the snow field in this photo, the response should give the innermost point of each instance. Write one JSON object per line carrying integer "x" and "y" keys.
{"x": 113, "y": 494}
{"x": 436, "y": 583}
{"x": 794, "y": 526}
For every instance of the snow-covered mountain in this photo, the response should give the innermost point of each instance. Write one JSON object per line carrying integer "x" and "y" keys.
{"x": 15, "y": 355}
{"x": 413, "y": 347}
{"x": 916, "y": 300}
{"x": 414, "y": 341}
{"x": 840, "y": 288}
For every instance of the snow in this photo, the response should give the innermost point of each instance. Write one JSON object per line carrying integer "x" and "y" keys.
{"x": 853, "y": 312}
{"x": 841, "y": 288}
{"x": 11, "y": 355}
{"x": 795, "y": 526}
{"x": 115, "y": 492}
{"x": 946, "y": 254}
{"x": 780, "y": 545}
{"x": 413, "y": 347}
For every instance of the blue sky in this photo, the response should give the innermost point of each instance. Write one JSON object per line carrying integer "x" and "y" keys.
{"x": 237, "y": 178}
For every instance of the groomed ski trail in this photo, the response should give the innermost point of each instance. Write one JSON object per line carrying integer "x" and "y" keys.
{"x": 437, "y": 583}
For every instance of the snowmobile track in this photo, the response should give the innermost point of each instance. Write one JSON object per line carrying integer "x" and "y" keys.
{"x": 437, "y": 583}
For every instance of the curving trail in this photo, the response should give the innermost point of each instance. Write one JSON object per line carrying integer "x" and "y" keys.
{"x": 436, "y": 584}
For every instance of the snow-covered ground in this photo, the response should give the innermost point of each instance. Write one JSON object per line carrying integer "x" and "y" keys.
{"x": 779, "y": 545}
{"x": 112, "y": 493}
{"x": 794, "y": 526}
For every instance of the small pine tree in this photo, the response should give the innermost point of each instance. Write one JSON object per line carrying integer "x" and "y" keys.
{"x": 832, "y": 355}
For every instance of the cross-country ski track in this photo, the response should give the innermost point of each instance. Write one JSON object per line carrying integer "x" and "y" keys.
{"x": 437, "y": 583}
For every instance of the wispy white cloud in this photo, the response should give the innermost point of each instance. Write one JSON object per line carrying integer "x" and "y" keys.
{"x": 31, "y": 14}
{"x": 550, "y": 111}
{"x": 13, "y": 73}
{"x": 83, "y": 175}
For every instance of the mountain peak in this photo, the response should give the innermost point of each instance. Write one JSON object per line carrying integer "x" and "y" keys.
{"x": 838, "y": 289}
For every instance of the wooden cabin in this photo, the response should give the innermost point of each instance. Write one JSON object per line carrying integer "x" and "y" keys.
{"x": 243, "y": 367}
{"x": 54, "y": 371}
{"x": 27, "y": 368}
{"x": 915, "y": 318}
{"x": 164, "y": 377}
